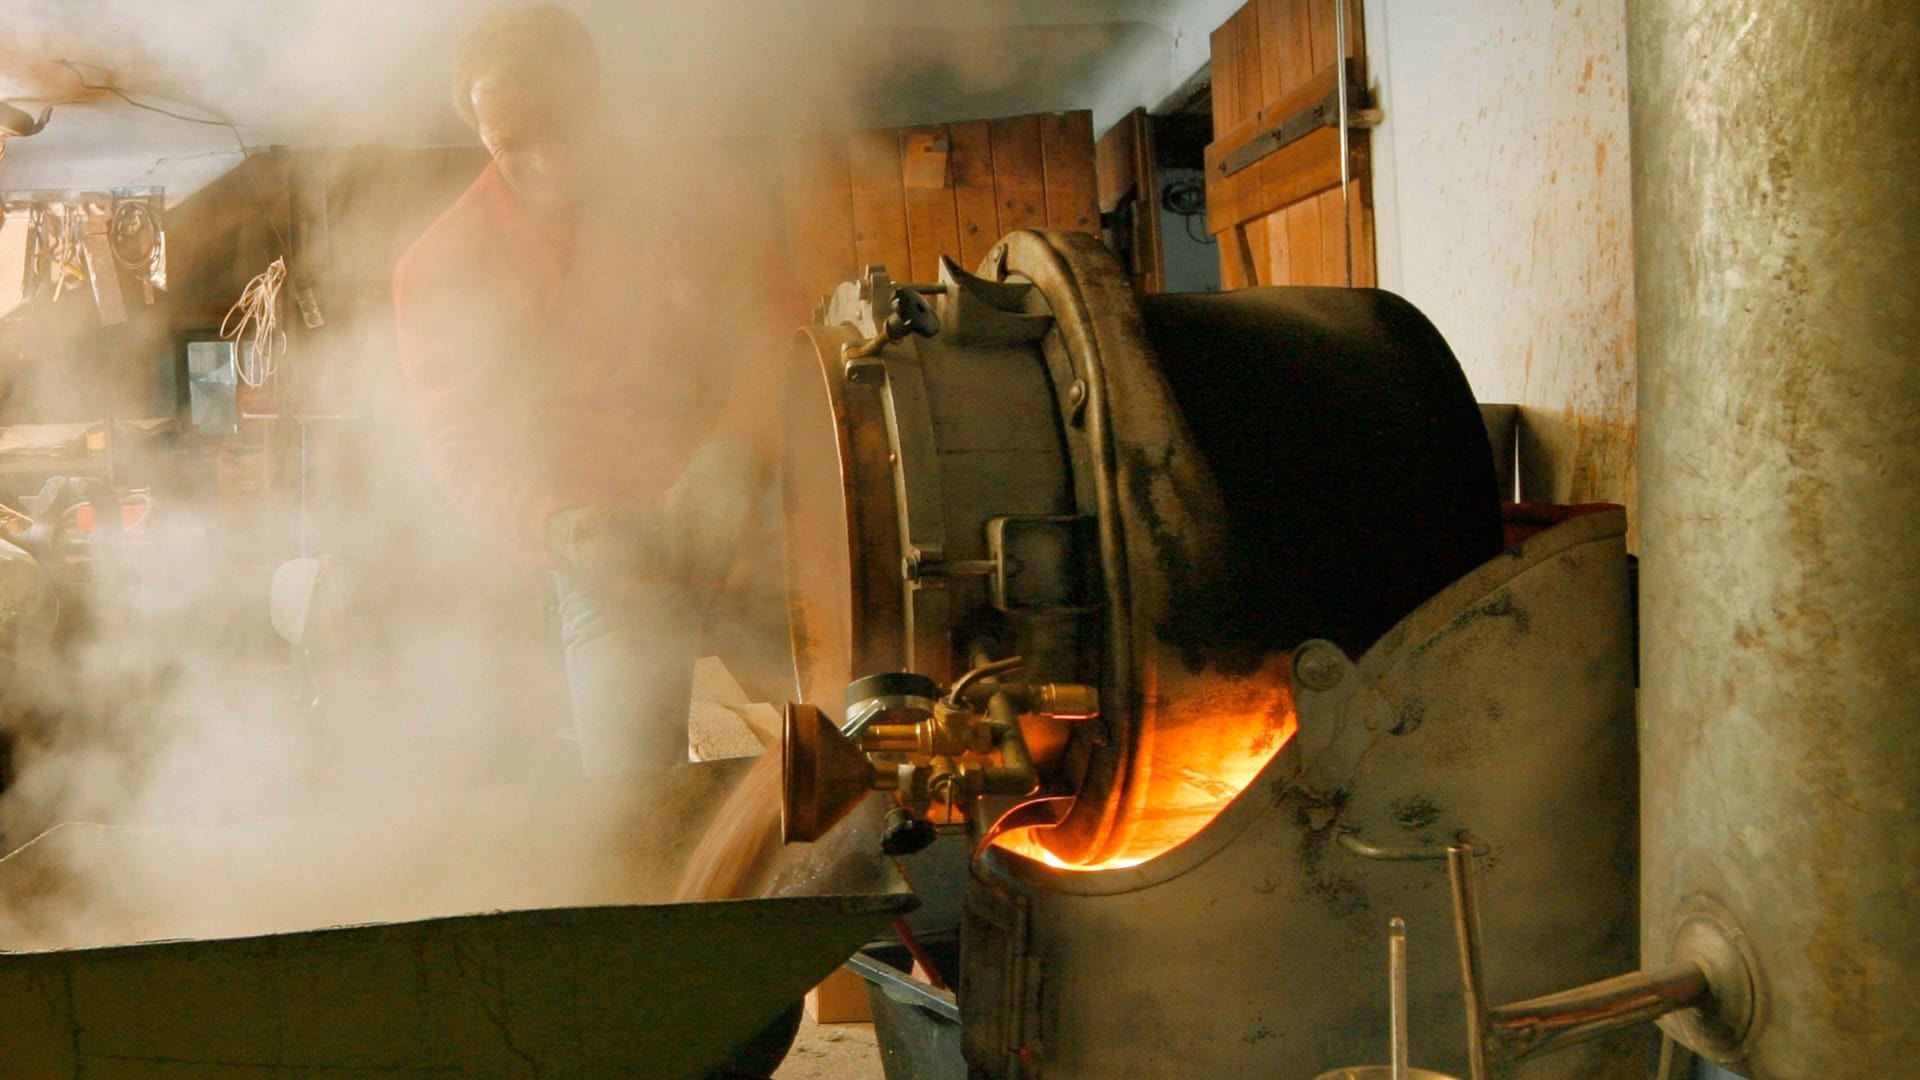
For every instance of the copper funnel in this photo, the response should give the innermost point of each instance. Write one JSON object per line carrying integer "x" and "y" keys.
{"x": 823, "y": 775}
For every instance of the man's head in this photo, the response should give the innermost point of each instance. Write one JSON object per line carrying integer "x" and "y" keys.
{"x": 528, "y": 83}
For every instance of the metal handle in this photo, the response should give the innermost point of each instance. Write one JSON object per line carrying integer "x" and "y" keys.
{"x": 1353, "y": 842}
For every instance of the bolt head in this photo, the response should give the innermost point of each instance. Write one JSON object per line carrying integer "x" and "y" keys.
{"x": 1318, "y": 669}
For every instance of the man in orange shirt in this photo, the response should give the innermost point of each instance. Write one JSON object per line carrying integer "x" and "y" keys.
{"x": 557, "y": 328}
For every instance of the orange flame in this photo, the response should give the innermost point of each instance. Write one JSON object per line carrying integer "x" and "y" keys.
{"x": 1195, "y": 770}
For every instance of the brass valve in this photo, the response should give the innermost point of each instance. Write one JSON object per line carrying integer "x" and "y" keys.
{"x": 903, "y": 736}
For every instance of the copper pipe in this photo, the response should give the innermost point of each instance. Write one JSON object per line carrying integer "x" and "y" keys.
{"x": 959, "y": 692}
{"x": 1525, "y": 1028}
{"x": 894, "y": 737}
{"x": 1015, "y": 775}
{"x": 1506, "y": 1033}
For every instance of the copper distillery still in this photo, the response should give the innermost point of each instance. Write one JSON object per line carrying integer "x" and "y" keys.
{"x": 1195, "y": 609}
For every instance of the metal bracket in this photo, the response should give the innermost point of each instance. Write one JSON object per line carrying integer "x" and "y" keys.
{"x": 1044, "y": 548}
{"x": 999, "y": 991}
{"x": 1340, "y": 715}
{"x": 908, "y": 417}
{"x": 1047, "y": 550}
{"x": 1323, "y": 113}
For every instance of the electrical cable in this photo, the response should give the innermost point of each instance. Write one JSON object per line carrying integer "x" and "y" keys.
{"x": 134, "y": 226}
{"x": 254, "y": 320}
{"x": 1186, "y": 223}
{"x": 246, "y": 154}
{"x": 1188, "y": 199}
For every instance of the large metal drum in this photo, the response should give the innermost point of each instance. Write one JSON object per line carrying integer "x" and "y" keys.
{"x": 1160, "y": 501}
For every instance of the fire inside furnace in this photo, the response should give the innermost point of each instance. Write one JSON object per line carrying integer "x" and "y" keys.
{"x": 1192, "y": 768}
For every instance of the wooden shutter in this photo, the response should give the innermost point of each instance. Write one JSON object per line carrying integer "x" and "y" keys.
{"x": 1278, "y": 220}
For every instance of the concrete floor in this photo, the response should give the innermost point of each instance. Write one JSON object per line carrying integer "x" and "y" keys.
{"x": 832, "y": 1052}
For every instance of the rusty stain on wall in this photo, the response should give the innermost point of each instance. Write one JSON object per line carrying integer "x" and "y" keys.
{"x": 1505, "y": 213}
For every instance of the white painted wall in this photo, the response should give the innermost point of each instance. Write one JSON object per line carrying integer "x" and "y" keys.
{"x": 1173, "y": 57}
{"x": 1503, "y": 210}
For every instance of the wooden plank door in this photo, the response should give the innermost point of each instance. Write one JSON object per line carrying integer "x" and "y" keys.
{"x": 1279, "y": 219}
{"x": 1129, "y": 186}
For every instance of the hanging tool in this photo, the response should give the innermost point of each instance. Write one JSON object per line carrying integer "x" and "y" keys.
{"x": 101, "y": 268}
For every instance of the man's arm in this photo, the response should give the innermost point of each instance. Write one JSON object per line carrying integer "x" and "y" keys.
{"x": 475, "y": 424}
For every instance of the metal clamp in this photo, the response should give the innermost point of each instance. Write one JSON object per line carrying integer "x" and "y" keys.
{"x": 1326, "y": 112}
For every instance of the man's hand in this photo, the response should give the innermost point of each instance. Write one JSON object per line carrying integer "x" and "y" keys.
{"x": 707, "y": 512}
{"x": 692, "y": 537}
{"x": 617, "y": 546}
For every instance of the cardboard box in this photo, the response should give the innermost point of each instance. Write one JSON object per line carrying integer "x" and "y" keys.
{"x": 841, "y": 998}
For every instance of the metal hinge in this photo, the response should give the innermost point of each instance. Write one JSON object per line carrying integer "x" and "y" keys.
{"x": 999, "y": 986}
{"x": 1324, "y": 113}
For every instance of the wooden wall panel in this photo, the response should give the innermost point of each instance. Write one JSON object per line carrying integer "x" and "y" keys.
{"x": 1066, "y": 150}
{"x": 903, "y": 197}
{"x": 1279, "y": 220}
{"x": 1279, "y": 263}
{"x": 1320, "y": 14}
{"x": 879, "y": 200}
{"x": 1019, "y": 173}
{"x": 1233, "y": 203}
{"x": 933, "y": 225}
{"x": 1366, "y": 267}
{"x": 1304, "y": 248}
{"x": 1293, "y": 60}
{"x": 975, "y": 202}
{"x": 1224, "y": 48}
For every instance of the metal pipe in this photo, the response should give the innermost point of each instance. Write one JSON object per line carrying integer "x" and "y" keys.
{"x": 1015, "y": 775}
{"x": 1346, "y": 134}
{"x": 1537, "y": 1025}
{"x": 1353, "y": 842}
{"x": 1058, "y": 701}
{"x": 1505, "y": 1033}
{"x": 958, "y": 694}
{"x": 882, "y": 738}
{"x": 1466, "y": 934}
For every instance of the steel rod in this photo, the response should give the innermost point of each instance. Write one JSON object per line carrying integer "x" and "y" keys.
{"x": 1346, "y": 134}
{"x": 1466, "y": 932}
{"x": 1397, "y": 993}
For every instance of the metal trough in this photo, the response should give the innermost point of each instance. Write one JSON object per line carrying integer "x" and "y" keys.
{"x": 595, "y": 988}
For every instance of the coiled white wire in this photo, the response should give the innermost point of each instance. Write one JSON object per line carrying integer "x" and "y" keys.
{"x": 255, "y": 317}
